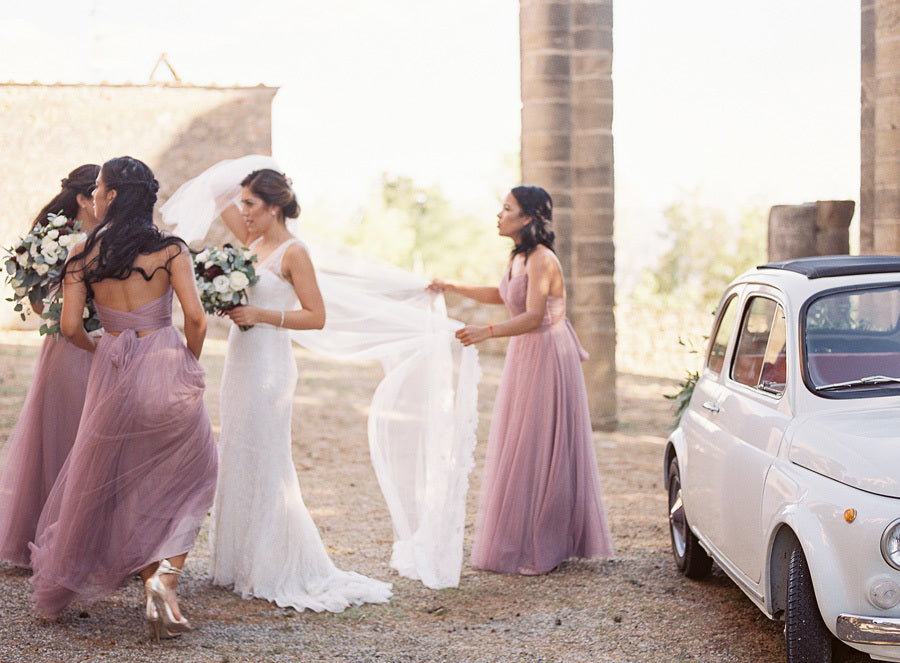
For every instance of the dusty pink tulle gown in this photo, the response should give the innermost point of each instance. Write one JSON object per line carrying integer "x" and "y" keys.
{"x": 142, "y": 473}
{"x": 34, "y": 453}
{"x": 540, "y": 498}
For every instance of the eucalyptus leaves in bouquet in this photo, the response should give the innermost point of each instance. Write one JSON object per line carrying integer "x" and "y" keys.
{"x": 35, "y": 261}
{"x": 223, "y": 276}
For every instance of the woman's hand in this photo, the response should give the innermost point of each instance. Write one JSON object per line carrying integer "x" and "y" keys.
{"x": 473, "y": 334}
{"x": 440, "y": 285}
{"x": 245, "y": 316}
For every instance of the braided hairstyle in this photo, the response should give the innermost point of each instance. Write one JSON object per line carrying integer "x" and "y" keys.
{"x": 127, "y": 231}
{"x": 81, "y": 180}
{"x": 536, "y": 203}
{"x": 273, "y": 188}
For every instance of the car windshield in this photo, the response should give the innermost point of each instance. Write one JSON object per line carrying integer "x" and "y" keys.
{"x": 852, "y": 341}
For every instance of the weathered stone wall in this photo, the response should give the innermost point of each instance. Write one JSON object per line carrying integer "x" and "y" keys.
{"x": 47, "y": 130}
{"x": 567, "y": 147}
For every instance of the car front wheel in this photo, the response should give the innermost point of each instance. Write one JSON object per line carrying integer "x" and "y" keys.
{"x": 808, "y": 639}
{"x": 690, "y": 557}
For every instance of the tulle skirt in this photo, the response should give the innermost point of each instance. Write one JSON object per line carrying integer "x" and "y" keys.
{"x": 540, "y": 499}
{"x": 141, "y": 475}
{"x": 38, "y": 446}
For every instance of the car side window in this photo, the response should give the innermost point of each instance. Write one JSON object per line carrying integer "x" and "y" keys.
{"x": 717, "y": 348}
{"x": 759, "y": 359}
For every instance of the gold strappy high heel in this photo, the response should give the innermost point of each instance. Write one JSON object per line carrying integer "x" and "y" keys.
{"x": 159, "y": 614}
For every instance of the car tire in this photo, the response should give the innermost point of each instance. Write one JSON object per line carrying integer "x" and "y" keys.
{"x": 807, "y": 638}
{"x": 690, "y": 557}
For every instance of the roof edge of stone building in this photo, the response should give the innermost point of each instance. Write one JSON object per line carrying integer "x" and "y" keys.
{"x": 152, "y": 84}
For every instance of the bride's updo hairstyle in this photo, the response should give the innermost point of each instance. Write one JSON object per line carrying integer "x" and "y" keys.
{"x": 536, "y": 203}
{"x": 128, "y": 230}
{"x": 273, "y": 188}
{"x": 81, "y": 180}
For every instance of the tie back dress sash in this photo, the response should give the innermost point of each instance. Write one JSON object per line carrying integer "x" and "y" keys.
{"x": 141, "y": 475}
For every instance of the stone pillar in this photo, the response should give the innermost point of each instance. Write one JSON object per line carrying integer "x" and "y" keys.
{"x": 792, "y": 231}
{"x": 810, "y": 229}
{"x": 833, "y": 226}
{"x": 880, "y": 127}
{"x": 567, "y": 147}
{"x": 867, "y": 128}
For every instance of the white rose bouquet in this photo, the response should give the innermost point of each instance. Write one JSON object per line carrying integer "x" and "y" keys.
{"x": 223, "y": 276}
{"x": 32, "y": 264}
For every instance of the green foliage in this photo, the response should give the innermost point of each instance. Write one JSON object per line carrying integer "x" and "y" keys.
{"x": 417, "y": 228}
{"x": 706, "y": 251}
{"x": 682, "y": 398}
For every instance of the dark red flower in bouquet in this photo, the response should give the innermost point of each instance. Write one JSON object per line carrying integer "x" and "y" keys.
{"x": 213, "y": 271}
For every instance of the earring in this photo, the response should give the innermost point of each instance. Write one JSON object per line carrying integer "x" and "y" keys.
{"x": 273, "y": 212}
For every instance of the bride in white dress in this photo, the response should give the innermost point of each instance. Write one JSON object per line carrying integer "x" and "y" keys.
{"x": 263, "y": 541}
{"x": 422, "y": 416}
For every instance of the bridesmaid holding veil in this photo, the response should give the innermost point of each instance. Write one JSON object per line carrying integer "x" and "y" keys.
{"x": 141, "y": 475}
{"x": 38, "y": 446}
{"x": 540, "y": 499}
{"x": 263, "y": 540}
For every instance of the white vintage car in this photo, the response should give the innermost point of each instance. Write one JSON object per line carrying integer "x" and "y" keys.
{"x": 785, "y": 466}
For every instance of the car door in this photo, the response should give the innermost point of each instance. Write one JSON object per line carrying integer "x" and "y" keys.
{"x": 747, "y": 416}
{"x": 703, "y": 443}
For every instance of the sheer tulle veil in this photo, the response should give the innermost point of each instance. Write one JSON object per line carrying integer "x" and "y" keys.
{"x": 423, "y": 414}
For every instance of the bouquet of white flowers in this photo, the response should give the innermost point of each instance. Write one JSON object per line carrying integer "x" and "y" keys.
{"x": 223, "y": 276}
{"x": 32, "y": 264}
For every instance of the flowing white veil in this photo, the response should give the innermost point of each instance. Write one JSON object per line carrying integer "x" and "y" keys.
{"x": 423, "y": 414}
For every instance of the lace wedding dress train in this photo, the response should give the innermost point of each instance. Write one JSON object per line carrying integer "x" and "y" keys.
{"x": 264, "y": 542}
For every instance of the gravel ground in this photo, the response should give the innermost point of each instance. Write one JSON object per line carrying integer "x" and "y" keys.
{"x": 633, "y": 608}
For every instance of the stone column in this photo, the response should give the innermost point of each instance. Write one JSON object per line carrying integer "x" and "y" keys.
{"x": 567, "y": 147}
{"x": 880, "y": 127}
{"x": 833, "y": 226}
{"x": 867, "y": 128}
{"x": 792, "y": 231}
{"x": 810, "y": 229}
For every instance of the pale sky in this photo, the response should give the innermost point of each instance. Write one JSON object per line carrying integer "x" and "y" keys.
{"x": 743, "y": 103}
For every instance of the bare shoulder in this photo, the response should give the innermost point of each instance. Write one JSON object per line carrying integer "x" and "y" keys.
{"x": 543, "y": 260}
{"x": 297, "y": 253}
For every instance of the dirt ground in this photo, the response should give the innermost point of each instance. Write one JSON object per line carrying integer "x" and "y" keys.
{"x": 634, "y": 607}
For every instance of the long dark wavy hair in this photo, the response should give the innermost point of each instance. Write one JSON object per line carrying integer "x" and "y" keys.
{"x": 536, "y": 203}
{"x": 273, "y": 188}
{"x": 81, "y": 180}
{"x": 127, "y": 231}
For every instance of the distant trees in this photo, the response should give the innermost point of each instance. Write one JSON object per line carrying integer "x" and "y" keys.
{"x": 706, "y": 250}
{"x": 418, "y": 229}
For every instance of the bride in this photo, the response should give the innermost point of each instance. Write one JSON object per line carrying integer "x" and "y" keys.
{"x": 422, "y": 416}
{"x": 263, "y": 540}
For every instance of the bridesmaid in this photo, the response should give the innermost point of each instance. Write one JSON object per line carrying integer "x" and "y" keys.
{"x": 45, "y": 432}
{"x": 141, "y": 476}
{"x": 540, "y": 498}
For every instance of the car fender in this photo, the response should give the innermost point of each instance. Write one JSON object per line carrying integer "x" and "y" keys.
{"x": 807, "y": 514}
{"x": 674, "y": 448}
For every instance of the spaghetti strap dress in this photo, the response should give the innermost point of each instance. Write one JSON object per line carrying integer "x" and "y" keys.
{"x": 263, "y": 541}
{"x": 141, "y": 475}
{"x": 34, "y": 453}
{"x": 541, "y": 502}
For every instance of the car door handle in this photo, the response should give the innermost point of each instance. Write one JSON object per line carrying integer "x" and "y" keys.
{"x": 711, "y": 406}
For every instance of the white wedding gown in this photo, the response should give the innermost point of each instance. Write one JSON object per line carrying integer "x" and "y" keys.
{"x": 264, "y": 543}
{"x": 422, "y": 416}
